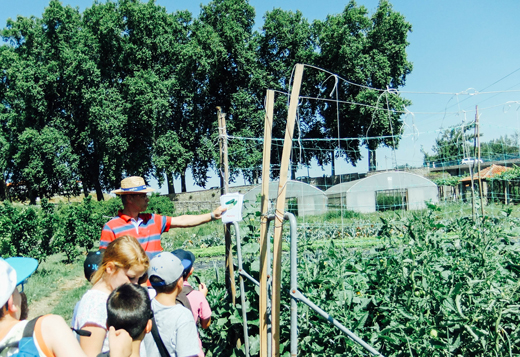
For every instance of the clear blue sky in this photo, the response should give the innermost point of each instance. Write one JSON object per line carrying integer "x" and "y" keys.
{"x": 456, "y": 46}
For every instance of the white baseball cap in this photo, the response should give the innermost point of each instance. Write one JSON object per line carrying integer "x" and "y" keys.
{"x": 13, "y": 272}
{"x": 166, "y": 266}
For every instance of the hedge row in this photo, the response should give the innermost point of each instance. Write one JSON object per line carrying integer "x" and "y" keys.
{"x": 71, "y": 228}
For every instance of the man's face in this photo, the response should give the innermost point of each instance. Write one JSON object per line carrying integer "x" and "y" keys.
{"x": 139, "y": 201}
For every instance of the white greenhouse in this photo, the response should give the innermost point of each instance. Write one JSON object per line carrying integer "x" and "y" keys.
{"x": 388, "y": 190}
{"x": 301, "y": 199}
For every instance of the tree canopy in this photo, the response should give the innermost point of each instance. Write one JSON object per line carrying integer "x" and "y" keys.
{"x": 126, "y": 88}
{"x": 452, "y": 145}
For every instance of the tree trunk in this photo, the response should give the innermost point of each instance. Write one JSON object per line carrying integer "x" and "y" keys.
{"x": 99, "y": 192}
{"x": 183, "y": 182}
{"x": 169, "y": 179}
{"x": 372, "y": 164}
{"x": 293, "y": 172}
{"x": 32, "y": 197}
{"x": 333, "y": 164}
{"x": 2, "y": 190}
{"x": 85, "y": 190}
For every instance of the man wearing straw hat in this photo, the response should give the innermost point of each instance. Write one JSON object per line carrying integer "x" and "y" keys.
{"x": 146, "y": 227}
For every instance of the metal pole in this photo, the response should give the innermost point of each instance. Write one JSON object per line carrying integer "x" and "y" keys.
{"x": 294, "y": 284}
{"x": 242, "y": 290}
{"x": 298, "y": 295}
{"x": 270, "y": 290}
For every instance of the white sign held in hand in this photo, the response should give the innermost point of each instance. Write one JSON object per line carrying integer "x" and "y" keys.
{"x": 233, "y": 202}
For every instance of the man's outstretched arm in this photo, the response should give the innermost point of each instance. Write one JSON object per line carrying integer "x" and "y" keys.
{"x": 188, "y": 220}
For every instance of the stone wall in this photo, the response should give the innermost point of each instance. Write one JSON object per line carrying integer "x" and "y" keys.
{"x": 203, "y": 200}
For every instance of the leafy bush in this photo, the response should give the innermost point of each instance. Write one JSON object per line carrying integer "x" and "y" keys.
{"x": 38, "y": 231}
{"x": 331, "y": 214}
{"x": 160, "y": 205}
{"x": 108, "y": 209}
{"x": 79, "y": 230}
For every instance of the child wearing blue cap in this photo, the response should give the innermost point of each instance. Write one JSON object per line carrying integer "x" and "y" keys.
{"x": 197, "y": 298}
{"x": 177, "y": 333}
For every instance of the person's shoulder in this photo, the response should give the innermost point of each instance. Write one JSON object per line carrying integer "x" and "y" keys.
{"x": 196, "y": 296}
{"x": 15, "y": 333}
{"x": 115, "y": 220}
{"x": 52, "y": 321}
{"x": 183, "y": 313}
{"x": 92, "y": 299}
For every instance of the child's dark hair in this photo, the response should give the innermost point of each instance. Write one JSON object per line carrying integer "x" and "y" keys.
{"x": 155, "y": 280}
{"x": 129, "y": 308}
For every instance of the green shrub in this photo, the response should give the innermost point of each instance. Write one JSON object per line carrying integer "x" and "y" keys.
{"x": 79, "y": 230}
{"x": 331, "y": 214}
{"x": 160, "y": 205}
{"x": 105, "y": 210}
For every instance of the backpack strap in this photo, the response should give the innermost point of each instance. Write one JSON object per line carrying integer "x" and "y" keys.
{"x": 182, "y": 298}
{"x": 158, "y": 340}
{"x": 27, "y": 342}
{"x": 37, "y": 329}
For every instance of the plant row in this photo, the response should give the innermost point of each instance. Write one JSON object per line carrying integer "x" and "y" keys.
{"x": 73, "y": 228}
{"x": 434, "y": 286}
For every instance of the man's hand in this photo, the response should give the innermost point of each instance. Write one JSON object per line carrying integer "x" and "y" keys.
{"x": 203, "y": 289}
{"x": 120, "y": 343}
{"x": 217, "y": 213}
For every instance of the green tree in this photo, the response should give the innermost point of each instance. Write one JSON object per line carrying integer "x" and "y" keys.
{"x": 226, "y": 40}
{"x": 370, "y": 53}
{"x": 287, "y": 38}
{"x": 44, "y": 165}
{"x": 455, "y": 143}
{"x": 502, "y": 148}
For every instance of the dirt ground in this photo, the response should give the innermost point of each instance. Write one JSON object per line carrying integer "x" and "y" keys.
{"x": 48, "y": 303}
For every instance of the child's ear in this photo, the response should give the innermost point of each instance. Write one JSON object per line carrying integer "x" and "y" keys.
{"x": 110, "y": 268}
{"x": 191, "y": 271}
{"x": 148, "y": 327}
{"x": 11, "y": 306}
{"x": 180, "y": 283}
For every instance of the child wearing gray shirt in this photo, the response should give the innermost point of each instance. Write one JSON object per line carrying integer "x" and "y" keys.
{"x": 175, "y": 323}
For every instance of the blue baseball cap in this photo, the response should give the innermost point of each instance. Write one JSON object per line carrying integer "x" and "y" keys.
{"x": 13, "y": 272}
{"x": 187, "y": 259}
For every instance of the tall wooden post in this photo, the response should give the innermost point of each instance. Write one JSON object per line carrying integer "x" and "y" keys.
{"x": 224, "y": 188}
{"x": 478, "y": 162}
{"x": 471, "y": 171}
{"x": 280, "y": 210}
{"x": 268, "y": 127}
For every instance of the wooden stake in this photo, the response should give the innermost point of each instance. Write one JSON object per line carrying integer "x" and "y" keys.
{"x": 478, "y": 162}
{"x": 224, "y": 188}
{"x": 280, "y": 210}
{"x": 472, "y": 172}
{"x": 268, "y": 127}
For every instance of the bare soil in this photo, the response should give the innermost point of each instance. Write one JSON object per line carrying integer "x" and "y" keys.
{"x": 48, "y": 303}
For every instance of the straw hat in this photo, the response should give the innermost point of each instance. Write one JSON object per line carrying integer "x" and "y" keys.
{"x": 133, "y": 184}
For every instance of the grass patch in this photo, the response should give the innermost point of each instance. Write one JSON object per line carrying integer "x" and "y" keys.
{"x": 65, "y": 306}
{"x": 50, "y": 275}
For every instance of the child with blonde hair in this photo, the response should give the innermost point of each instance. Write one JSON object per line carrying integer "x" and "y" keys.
{"x": 124, "y": 261}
